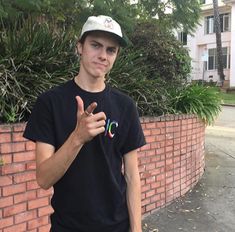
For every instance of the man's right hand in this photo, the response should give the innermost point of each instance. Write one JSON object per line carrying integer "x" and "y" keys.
{"x": 88, "y": 124}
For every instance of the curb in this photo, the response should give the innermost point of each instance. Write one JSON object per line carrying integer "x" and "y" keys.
{"x": 225, "y": 104}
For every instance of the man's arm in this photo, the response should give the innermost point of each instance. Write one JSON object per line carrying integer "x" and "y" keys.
{"x": 133, "y": 190}
{"x": 51, "y": 165}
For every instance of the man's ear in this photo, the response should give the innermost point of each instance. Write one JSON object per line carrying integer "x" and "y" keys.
{"x": 79, "y": 48}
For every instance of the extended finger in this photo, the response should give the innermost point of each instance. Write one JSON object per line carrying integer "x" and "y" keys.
{"x": 89, "y": 110}
{"x": 80, "y": 105}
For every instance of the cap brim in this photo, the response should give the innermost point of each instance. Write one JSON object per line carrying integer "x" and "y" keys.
{"x": 121, "y": 40}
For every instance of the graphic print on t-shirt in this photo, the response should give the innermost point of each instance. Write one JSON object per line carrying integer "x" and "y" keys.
{"x": 110, "y": 128}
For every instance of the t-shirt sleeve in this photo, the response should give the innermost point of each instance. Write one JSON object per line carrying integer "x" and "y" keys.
{"x": 134, "y": 136}
{"x": 40, "y": 126}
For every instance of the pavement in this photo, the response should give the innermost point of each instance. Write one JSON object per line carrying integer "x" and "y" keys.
{"x": 210, "y": 205}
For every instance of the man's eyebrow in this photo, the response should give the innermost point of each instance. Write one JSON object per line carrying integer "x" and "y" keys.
{"x": 100, "y": 44}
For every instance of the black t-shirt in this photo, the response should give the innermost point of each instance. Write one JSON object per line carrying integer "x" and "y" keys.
{"x": 91, "y": 196}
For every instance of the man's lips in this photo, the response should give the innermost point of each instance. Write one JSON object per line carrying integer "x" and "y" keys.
{"x": 101, "y": 65}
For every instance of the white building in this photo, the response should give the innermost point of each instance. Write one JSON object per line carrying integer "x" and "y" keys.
{"x": 202, "y": 46}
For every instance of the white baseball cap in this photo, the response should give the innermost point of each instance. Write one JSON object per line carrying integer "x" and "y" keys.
{"x": 103, "y": 23}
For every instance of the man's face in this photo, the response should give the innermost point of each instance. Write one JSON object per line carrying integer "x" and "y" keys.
{"x": 98, "y": 54}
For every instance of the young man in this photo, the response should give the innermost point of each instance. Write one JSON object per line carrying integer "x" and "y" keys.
{"x": 85, "y": 132}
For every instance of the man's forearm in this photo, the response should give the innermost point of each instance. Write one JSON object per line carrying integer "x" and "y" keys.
{"x": 53, "y": 168}
{"x": 134, "y": 204}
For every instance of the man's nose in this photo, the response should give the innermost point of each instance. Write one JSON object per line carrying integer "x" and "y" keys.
{"x": 103, "y": 54}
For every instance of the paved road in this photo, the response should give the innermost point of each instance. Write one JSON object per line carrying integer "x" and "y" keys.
{"x": 210, "y": 206}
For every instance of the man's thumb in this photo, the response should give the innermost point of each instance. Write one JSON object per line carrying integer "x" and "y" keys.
{"x": 80, "y": 106}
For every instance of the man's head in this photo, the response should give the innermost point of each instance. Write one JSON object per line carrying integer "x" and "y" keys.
{"x": 102, "y": 23}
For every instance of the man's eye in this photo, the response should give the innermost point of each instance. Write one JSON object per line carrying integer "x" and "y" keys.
{"x": 95, "y": 45}
{"x": 111, "y": 50}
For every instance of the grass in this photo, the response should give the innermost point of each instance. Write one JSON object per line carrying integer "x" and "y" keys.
{"x": 228, "y": 98}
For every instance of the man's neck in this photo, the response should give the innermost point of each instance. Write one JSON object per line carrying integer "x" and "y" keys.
{"x": 93, "y": 86}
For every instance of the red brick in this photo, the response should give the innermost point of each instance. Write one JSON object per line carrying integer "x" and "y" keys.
{"x": 6, "y": 201}
{"x": 26, "y": 196}
{"x": 150, "y": 166}
{"x": 25, "y": 216}
{"x": 155, "y": 131}
{"x": 19, "y": 228}
{"x": 150, "y": 125}
{"x": 19, "y": 127}
{"x": 13, "y": 168}
{"x": 150, "y": 179}
{"x": 150, "y": 207}
{"x": 155, "y": 198}
{"x": 5, "y": 128}
{"x": 12, "y": 210}
{"x": 13, "y": 189}
{"x": 150, "y": 193}
{"x": 6, "y": 158}
{"x": 23, "y": 177}
{"x": 47, "y": 210}
{"x": 5, "y": 180}
{"x": 31, "y": 165}
{"x": 33, "y": 204}
{"x": 5, "y": 222}
{"x": 44, "y": 193}
{"x": 31, "y": 185}
{"x": 5, "y": 138}
{"x": 30, "y": 146}
{"x": 147, "y": 132}
{"x": 45, "y": 228}
{"x": 18, "y": 137}
{"x": 160, "y": 124}
{"x": 161, "y": 190}
{"x": 6, "y": 148}
{"x": 24, "y": 156}
{"x": 18, "y": 147}
{"x": 145, "y": 188}
{"x": 150, "y": 139}
{"x": 160, "y": 138}
{"x": 38, "y": 222}
{"x": 154, "y": 145}
{"x": 145, "y": 201}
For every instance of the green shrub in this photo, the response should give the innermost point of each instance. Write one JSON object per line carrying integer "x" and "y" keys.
{"x": 169, "y": 60}
{"x": 130, "y": 74}
{"x": 205, "y": 102}
{"x": 33, "y": 58}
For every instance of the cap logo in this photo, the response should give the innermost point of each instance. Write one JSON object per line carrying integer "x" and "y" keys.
{"x": 108, "y": 23}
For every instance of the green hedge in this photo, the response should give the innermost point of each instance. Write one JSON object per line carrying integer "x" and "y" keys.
{"x": 34, "y": 56}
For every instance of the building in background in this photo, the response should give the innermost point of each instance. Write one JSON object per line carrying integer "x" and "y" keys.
{"x": 202, "y": 45}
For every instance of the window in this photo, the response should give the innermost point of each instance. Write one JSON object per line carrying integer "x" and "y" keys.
{"x": 212, "y": 58}
{"x": 209, "y": 24}
{"x": 224, "y": 23}
{"x": 203, "y": 1}
{"x": 182, "y": 37}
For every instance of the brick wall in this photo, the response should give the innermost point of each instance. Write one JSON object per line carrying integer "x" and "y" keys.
{"x": 170, "y": 164}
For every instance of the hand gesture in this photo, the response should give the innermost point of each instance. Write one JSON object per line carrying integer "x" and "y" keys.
{"x": 88, "y": 124}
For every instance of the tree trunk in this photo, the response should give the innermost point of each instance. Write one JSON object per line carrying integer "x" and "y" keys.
{"x": 220, "y": 66}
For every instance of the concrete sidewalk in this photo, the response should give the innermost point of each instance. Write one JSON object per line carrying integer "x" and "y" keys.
{"x": 210, "y": 206}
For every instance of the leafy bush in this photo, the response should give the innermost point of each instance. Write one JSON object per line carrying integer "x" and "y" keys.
{"x": 169, "y": 60}
{"x": 130, "y": 75}
{"x": 33, "y": 58}
{"x": 205, "y": 102}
